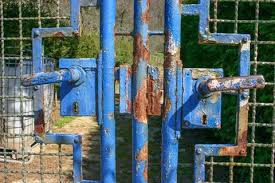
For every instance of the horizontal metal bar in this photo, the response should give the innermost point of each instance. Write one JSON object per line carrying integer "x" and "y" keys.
{"x": 42, "y": 78}
{"x": 231, "y": 83}
{"x": 150, "y": 33}
{"x": 55, "y": 138}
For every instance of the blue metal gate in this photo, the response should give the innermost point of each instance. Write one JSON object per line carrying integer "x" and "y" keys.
{"x": 188, "y": 98}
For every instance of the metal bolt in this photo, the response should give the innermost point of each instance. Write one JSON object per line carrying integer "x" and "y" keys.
{"x": 244, "y": 40}
{"x": 244, "y": 96}
{"x": 186, "y": 123}
{"x": 35, "y": 88}
{"x": 199, "y": 151}
{"x": 76, "y": 141}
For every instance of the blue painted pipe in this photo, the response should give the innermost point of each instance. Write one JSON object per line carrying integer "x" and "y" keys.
{"x": 71, "y": 75}
{"x": 108, "y": 136}
{"x": 172, "y": 29}
{"x": 140, "y": 102}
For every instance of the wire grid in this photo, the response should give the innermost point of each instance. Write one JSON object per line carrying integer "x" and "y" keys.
{"x": 255, "y": 17}
{"x": 20, "y": 158}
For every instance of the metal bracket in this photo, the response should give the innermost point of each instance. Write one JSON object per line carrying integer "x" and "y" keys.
{"x": 200, "y": 112}
{"x": 76, "y": 142}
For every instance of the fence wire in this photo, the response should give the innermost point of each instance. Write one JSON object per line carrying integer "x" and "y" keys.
{"x": 255, "y": 17}
{"x": 21, "y": 159}
{"x": 17, "y": 150}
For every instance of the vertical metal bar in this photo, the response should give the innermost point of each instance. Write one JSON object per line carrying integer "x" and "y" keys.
{"x": 77, "y": 159}
{"x": 108, "y": 157}
{"x": 172, "y": 31}
{"x": 140, "y": 101}
{"x": 38, "y": 90}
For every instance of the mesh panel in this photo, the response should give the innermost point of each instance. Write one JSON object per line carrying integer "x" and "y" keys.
{"x": 257, "y": 18}
{"x": 21, "y": 159}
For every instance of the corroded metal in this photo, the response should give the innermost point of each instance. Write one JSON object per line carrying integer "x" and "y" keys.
{"x": 139, "y": 91}
{"x": 172, "y": 29}
{"x": 231, "y": 83}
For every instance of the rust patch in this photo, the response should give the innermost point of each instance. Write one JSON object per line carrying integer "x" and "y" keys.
{"x": 58, "y": 34}
{"x": 241, "y": 148}
{"x": 167, "y": 107}
{"x": 142, "y": 155}
{"x": 145, "y": 172}
{"x": 154, "y": 97}
{"x": 141, "y": 51}
{"x": 40, "y": 126}
{"x": 146, "y": 15}
{"x": 141, "y": 103}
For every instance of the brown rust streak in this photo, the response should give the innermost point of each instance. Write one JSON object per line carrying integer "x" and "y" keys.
{"x": 141, "y": 103}
{"x": 146, "y": 15}
{"x": 58, "y": 34}
{"x": 145, "y": 172}
{"x": 39, "y": 124}
{"x": 241, "y": 148}
{"x": 167, "y": 107}
{"x": 143, "y": 153}
{"x": 154, "y": 97}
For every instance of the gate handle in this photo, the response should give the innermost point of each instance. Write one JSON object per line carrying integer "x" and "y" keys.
{"x": 74, "y": 75}
{"x": 206, "y": 87}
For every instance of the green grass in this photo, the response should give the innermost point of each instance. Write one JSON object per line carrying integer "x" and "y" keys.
{"x": 63, "y": 121}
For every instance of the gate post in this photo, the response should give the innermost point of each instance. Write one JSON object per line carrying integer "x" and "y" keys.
{"x": 107, "y": 25}
{"x": 140, "y": 101}
{"x": 172, "y": 61}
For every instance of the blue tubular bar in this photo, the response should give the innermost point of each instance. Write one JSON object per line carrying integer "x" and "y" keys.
{"x": 108, "y": 146}
{"x": 76, "y": 142}
{"x": 169, "y": 161}
{"x": 37, "y": 54}
{"x": 42, "y": 78}
{"x": 140, "y": 101}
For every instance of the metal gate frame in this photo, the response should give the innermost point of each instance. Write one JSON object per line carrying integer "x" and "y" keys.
{"x": 140, "y": 98}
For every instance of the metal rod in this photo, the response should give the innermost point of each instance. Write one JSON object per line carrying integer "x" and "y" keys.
{"x": 231, "y": 83}
{"x": 140, "y": 101}
{"x": 108, "y": 136}
{"x": 169, "y": 161}
{"x": 51, "y": 77}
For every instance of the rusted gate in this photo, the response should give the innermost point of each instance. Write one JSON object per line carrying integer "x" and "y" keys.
{"x": 185, "y": 98}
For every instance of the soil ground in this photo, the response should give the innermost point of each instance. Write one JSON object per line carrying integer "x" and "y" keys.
{"x": 61, "y": 161}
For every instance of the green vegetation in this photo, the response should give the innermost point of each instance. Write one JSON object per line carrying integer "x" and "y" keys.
{"x": 63, "y": 121}
{"x": 193, "y": 55}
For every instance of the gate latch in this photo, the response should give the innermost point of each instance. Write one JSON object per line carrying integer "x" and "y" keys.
{"x": 202, "y": 95}
{"x": 78, "y": 85}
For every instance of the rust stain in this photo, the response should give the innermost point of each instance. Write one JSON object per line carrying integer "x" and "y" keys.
{"x": 154, "y": 95}
{"x": 39, "y": 126}
{"x": 141, "y": 103}
{"x": 143, "y": 153}
{"x": 146, "y": 15}
{"x": 145, "y": 172}
{"x": 167, "y": 107}
{"x": 58, "y": 34}
{"x": 241, "y": 148}
{"x": 141, "y": 51}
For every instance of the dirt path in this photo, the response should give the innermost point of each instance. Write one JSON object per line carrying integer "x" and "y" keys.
{"x": 55, "y": 161}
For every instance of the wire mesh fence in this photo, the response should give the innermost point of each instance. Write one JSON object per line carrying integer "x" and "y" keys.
{"x": 23, "y": 161}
